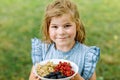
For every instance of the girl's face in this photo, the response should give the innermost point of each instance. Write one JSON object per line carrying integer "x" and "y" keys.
{"x": 62, "y": 30}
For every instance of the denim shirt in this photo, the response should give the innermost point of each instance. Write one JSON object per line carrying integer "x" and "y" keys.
{"x": 85, "y": 57}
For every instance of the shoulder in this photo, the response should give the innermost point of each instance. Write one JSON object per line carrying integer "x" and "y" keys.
{"x": 38, "y": 51}
{"x": 89, "y": 50}
{"x": 39, "y": 46}
{"x": 92, "y": 51}
{"x": 92, "y": 54}
{"x": 38, "y": 42}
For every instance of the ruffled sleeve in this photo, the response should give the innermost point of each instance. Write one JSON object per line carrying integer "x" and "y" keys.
{"x": 91, "y": 58}
{"x": 36, "y": 52}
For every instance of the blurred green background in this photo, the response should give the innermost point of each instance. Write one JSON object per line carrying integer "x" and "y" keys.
{"x": 20, "y": 21}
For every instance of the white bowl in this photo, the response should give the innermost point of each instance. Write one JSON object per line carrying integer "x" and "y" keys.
{"x": 56, "y": 61}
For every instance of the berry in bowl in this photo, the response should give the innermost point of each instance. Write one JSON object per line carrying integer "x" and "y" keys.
{"x": 56, "y": 69}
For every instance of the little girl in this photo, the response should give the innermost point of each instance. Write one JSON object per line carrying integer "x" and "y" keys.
{"x": 63, "y": 38}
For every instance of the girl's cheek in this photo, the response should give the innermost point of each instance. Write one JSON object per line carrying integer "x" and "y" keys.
{"x": 52, "y": 31}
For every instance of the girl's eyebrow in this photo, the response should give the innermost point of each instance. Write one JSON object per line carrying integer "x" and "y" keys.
{"x": 67, "y": 23}
{"x": 53, "y": 24}
{"x": 62, "y": 24}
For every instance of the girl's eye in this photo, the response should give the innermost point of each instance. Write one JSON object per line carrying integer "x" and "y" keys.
{"x": 67, "y": 26}
{"x": 54, "y": 27}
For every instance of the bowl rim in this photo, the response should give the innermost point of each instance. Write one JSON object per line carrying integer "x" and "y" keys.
{"x": 53, "y": 60}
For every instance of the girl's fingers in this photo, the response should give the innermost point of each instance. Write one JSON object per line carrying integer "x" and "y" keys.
{"x": 34, "y": 77}
{"x": 72, "y": 78}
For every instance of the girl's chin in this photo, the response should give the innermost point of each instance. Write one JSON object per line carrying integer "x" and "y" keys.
{"x": 62, "y": 43}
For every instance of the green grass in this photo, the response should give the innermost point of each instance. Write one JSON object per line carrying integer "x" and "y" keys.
{"x": 20, "y": 21}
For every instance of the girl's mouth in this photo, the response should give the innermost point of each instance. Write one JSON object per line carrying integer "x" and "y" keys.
{"x": 63, "y": 38}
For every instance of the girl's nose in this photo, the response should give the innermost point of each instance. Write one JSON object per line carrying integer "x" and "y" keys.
{"x": 61, "y": 31}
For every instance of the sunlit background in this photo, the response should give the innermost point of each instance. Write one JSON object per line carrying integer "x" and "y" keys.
{"x": 20, "y": 20}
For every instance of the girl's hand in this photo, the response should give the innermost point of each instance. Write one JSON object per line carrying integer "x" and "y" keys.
{"x": 33, "y": 76}
{"x": 77, "y": 77}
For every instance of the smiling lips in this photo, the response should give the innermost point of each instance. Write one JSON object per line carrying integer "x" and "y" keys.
{"x": 63, "y": 37}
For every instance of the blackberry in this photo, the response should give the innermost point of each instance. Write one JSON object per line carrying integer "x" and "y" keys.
{"x": 55, "y": 75}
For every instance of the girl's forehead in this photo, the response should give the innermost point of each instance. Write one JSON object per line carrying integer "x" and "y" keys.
{"x": 65, "y": 18}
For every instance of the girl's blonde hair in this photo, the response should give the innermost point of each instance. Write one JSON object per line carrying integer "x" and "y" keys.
{"x": 58, "y": 8}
